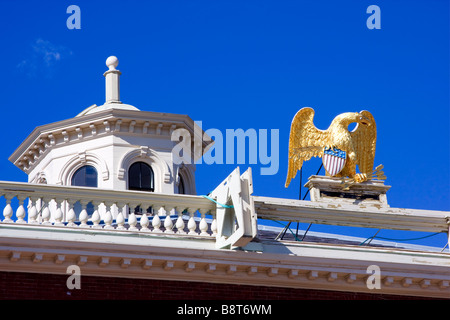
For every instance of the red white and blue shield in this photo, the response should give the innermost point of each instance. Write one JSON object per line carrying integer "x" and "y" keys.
{"x": 334, "y": 160}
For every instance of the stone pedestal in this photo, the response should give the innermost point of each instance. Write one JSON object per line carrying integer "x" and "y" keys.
{"x": 329, "y": 189}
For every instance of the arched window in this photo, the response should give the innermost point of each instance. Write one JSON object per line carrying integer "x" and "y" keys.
{"x": 181, "y": 189}
{"x": 85, "y": 176}
{"x": 141, "y": 177}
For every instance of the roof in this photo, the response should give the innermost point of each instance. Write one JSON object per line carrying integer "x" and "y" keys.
{"x": 98, "y": 121}
{"x": 160, "y": 246}
{"x": 267, "y": 232}
{"x": 107, "y": 106}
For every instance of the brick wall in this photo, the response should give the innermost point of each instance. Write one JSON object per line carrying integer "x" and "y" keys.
{"x": 16, "y": 285}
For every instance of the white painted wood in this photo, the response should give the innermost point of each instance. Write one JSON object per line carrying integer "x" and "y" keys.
{"x": 351, "y": 215}
{"x": 49, "y": 249}
{"x": 266, "y": 208}
{"x": 236, "y": 226}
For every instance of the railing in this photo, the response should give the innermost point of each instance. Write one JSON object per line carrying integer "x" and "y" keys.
{"x": 352, "y": 215}
{"x": 80, "y": 207}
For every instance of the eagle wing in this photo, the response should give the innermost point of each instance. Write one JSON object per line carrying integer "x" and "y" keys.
{"x": 305, "y": 142}
{"x": 364, "y": 139}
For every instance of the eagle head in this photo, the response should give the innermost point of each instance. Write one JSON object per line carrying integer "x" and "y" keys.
{"x": 351, "y": 117}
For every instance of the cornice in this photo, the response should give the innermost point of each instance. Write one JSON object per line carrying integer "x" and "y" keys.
{"x": 193, "y": 258}
{"x": 91, "y": 126}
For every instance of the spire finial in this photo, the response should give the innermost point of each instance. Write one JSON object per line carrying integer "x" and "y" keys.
{"x": 112, "y": 80}
{"x": 112, "y": 62}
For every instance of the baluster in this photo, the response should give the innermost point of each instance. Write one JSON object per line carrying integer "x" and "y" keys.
{"x": 32, "y": 212}
{"x": 180, "y": 222}
{"x": 45, "y": 212}
{"x": 83, "y": 214}
{"x": 58, "y": 213}
{"x": 8, "y": 211}
{"x": 168, "y": 224}
{"x": 108, "y": 219}
{"x": 203, "y": 226}
{"x": 213, "y": 224}
{"x": 120, "y": 219}
{"x": 132, "y": 221}
{"x": 71, "y": 216}
{"x": 192, "y": 225}
{"x": 20, "y": 212}
{"x": 145, "y": 223}
{"x": 156, "y": 221}
{"x": 95, "y": 216}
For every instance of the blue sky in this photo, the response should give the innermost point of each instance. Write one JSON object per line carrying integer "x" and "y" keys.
{"x": 245, "y": 64}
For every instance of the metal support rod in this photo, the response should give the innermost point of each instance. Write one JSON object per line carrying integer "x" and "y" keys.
{"x": 283, "y": 232}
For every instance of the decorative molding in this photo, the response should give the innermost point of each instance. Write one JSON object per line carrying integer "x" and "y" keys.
{"x": 117, "y": 127}
{"x": 75, "y": 130}
{"x": 51, "y": 138}
{"x": 144, "y": 153}
{"x": 145, "y": 127}
{"x": 186, "y": 172}
{"x": 107, "y": 126}
{"x": 142, "y": 251}
{"x": 79, "y": 133}
{"x": 159, "y": 128}
{"x": 65, "y": 135}
{"x": 82, "y": 156}
{"x": 312, "y": 266}
{"x": 93, "y": 129}
{"x": 81, "y": 159}
{"x": 131, "y": 127}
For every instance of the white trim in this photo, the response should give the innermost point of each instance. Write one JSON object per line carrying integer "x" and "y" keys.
{"x": 41, "y": 249}
{"x": 104, "y": 123}
{"x": 186, "y": 173}
{"x": 82, "y": 159}
{"x": 160, "y": 168}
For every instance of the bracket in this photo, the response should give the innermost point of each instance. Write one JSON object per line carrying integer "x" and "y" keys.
{"x": 237, "y": 220}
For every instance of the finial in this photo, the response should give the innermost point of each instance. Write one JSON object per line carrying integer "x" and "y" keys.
{"x": 112, "y": 62}
{"x": 112, "y": 77}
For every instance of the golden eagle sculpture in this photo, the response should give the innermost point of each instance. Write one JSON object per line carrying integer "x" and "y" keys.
{"x": 340, "y": 149}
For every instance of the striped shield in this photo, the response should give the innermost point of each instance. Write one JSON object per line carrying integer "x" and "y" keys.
{"x": 334, "y": 160}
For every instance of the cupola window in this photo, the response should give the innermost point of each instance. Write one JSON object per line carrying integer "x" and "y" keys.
{"x": 85, "y": 176}
{"x": 141, "y": 177}
{"x": 181, "y": 189}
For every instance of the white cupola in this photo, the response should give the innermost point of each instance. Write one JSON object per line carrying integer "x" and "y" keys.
{"x": 112, "y": 146}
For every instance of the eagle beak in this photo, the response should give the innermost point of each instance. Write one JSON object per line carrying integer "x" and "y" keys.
{"x": 364, "y": 120}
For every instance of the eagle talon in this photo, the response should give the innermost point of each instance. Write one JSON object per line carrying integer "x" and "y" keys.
{"x": 360, "y": 177}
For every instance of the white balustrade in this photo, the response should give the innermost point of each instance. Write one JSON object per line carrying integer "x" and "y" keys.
{"x": 8, "y": 211}
{"x": 192, "y": 225}
{"x": 179, "y": 224}
{"x": 176, "y": 215}
{"x": 168, "y": 224}
{"x": 156, "y": 222}
{"x": 121, "y": 211}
